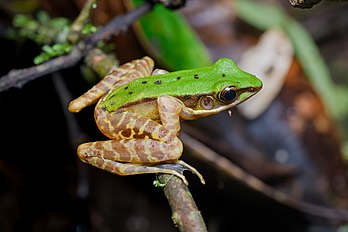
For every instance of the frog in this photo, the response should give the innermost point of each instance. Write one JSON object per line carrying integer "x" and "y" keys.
{"x": 140, "y": 109}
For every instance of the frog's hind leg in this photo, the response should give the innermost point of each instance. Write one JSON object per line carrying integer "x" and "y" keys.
{"x": 124, "y": 169}
{"x": 116, "y": 77}
{"x": 132, "y": 156}
{"x": 139, "y": 145}
{"x": 111, "y": 156}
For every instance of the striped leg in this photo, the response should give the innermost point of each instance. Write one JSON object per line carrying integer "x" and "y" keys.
{"x": 170, "y": 110}
{"x": 117, "y": 77}
{"x": 138, "y": 145}
{"x": 130, "y": 156}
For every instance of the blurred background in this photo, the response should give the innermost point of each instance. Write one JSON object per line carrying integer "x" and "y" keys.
{"x": 277, "y": 163}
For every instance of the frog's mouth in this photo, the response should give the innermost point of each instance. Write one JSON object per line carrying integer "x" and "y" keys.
{"x": 247, "y": 93}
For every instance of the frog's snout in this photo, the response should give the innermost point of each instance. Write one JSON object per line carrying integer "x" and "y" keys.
{"x": 255, "y": 89}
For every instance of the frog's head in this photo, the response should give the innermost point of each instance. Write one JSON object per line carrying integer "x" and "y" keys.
{"x": 232, "y": 86}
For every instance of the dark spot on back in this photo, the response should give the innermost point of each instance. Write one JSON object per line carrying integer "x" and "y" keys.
{"x": 223, "y": 75}
{"x": 143, "y": 82}
{"x": 178, "y": 78}
{"x": 126, "y": 87}
{"x": 158, "y": 82}
{"x": 196, "y": 76}
{"x": 130, "y": 92}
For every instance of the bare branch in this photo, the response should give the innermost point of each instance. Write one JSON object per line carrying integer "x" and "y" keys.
{"x": 19, "y": 77}
{"x": 308, "y": 3}
{"x": 185, "y": 213}
{"x": 172, "y": 4}
{"x": 304, "y": 3}
{"x": 223, "y": 165}
{"x": 80, "y": 21}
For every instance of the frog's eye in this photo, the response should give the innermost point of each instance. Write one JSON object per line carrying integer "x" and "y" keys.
{"x": 228, "y": 94}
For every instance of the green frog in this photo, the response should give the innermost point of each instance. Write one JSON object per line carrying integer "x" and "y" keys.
{"x": 140, "y": 110}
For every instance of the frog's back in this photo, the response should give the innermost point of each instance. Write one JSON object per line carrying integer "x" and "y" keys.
{"x": 180, "y": 83}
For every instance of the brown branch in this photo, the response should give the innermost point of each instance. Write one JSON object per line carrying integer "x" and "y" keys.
{"x": 18, "y": 77}
{"x": 100, "y": 62}
{"x": 227, "y": 167}
{"x": 80, "y": 21}
{"x": 185, "y": 213}
{"x": 172, "y": 4}
{"x": 303, "y": 3}
{"x": 308, "y": 3}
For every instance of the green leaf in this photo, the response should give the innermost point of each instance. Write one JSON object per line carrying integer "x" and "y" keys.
{"x": 88, "y": 29}
{"x": 41, "y": 58}
{"x": 260, "y": 15}
{"x": 48, "y": 49}
{"x": 49, "y": 52}
{"x": 43, "y": 29}
{"x": 168, "y": 37}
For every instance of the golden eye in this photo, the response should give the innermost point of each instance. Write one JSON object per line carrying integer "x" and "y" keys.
{"x": 207, "y": 102}
{"x": 228, "y": 94}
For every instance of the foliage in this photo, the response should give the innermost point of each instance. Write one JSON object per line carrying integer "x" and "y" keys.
{"x": 171, "y": 40}
{"x": 43, "y": 29}
{"x": 88, "y": 29}
{"x": 52, "y": 51}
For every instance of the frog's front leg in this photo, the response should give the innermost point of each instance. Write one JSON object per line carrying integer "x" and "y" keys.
{"x": 139, "y": 145}
{"x": 117, "y": 77}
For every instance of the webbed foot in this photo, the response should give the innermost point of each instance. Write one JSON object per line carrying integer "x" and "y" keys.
{"x": 179, "y": 167}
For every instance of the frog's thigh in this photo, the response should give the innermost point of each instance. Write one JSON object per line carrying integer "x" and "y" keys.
{"x": 132, "y": 156}
{"x": 140, "y": 151}
{"x": 136, "y": 139}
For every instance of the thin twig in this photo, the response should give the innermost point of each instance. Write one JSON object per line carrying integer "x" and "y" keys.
{"x": 81, "y": 21}
{"x": 185, "y": 213}
{"x": 18, "y": 77}
{"x": 304, "y": 3}
{"x": 100, "y": 62}
{"x": 307, "y": 3}
{"x": 223, "y": 165}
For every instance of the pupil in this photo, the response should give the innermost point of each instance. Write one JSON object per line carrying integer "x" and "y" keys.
{"x": 230, "y": 95}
